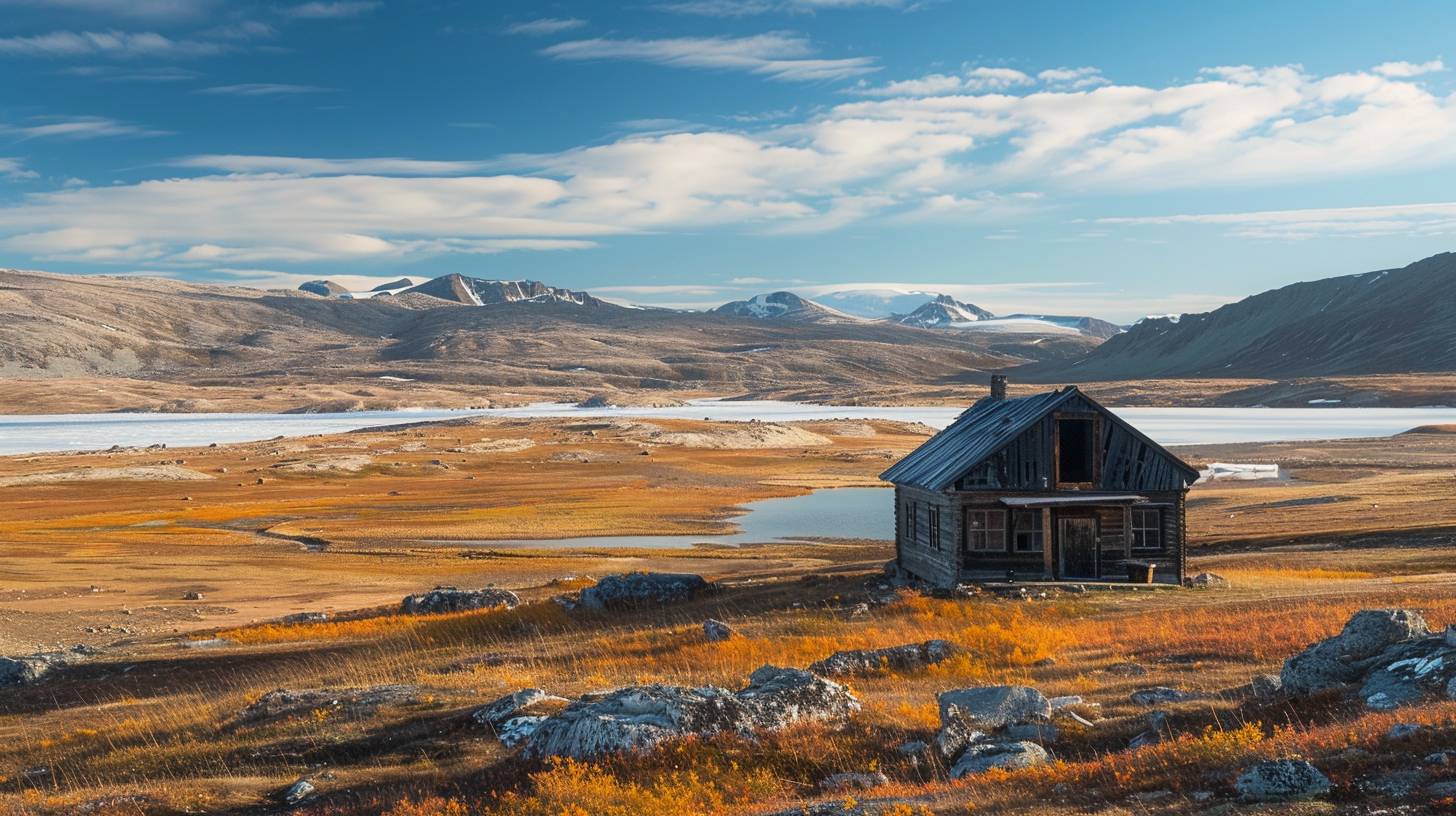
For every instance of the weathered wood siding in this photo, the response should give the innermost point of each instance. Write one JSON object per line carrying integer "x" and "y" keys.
{"x": 913, "y": 543}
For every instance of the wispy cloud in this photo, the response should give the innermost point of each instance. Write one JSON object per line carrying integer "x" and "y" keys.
{"x": 779, "y": 55}
{"x": 76, "y": 128}
{"x": 115, "y": 44}
{"x": 116, "y": 73}
{"x": 138, "y": 9}
{"x": 545, "y": 26}
{"x": 1325, "y": 222}
{"x": 262, "y": 89}
{"x": 232, "y": 163}
{"x": 331, "y": 10}
{"x": 15, "y": 170}
{"x": 745, "y": 8}
{"x": 1409, "y": 69}
{"x": 971, "y": 79}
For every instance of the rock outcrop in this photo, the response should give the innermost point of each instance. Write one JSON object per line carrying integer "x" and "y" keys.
{"x": 1389, "y": 657}
{"x": 637, "y": 589}
{"x": 990, "y": 727}
{"x": 717, "y": 631}
{"x": 281, "y": 704}
{"x": 637, "y": 718}
{"x": 983, "y": 756}
{"x": 893, "y": 658}
{"x": 24, "y": 671}
{"x": 1281, "y": 780}
{"x": 453, "y": 599}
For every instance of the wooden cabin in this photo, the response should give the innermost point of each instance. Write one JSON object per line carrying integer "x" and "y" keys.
{"x": 1047, "y": 487}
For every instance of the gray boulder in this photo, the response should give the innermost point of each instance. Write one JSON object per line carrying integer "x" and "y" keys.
{"x": 1209, "y": 580}
{"x": 1409, "y": 672}
{"x": 637, "y": 589}
{"x": 453, "y": 599}
{"x": 1159, "y": 695}
{"x": 1338, "y": 661}
{"x": 983, "y": 756}
{"x": 892, "y": 658}
{"x": 717, "y": 631}
{"x": 517, "y": 730}
{"x": 298, "y": 793}
{"x": 1280, "y": 780}
{"x": 24, "y": 671}
{"x": 511, "y": 706}
{"x": 1157, "y": 729}
{"x": 282, "y": 704}
{"x": 956, "y": 732}
{"x": 637, "y": 718}
{"x": 992, "y": 707}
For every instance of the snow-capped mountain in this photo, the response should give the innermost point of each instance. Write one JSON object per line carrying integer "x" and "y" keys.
{"x": 875, "y": 304}
{"x": 481, "y": 292}
{"x": 944, "y": 311}
{"x": 783, "y": 306}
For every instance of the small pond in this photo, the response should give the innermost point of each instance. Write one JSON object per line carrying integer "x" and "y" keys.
{"x": 845, "y": 512}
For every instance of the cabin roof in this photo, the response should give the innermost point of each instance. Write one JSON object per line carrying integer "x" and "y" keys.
{"x": 987, "y": 427}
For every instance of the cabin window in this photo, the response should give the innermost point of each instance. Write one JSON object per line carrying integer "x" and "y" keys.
{"x": 986, "y": 530}
{"x": 1147, "y": 530}
{"x": 934, "y": 513}
{"x": 1026, "y": 534}
{"x": 909, "y": 521}
{"x": 1075, "y": 451}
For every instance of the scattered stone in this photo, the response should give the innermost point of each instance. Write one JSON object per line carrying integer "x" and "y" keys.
{"x": 30, "y": 669}
{"x": 1442, "y": 790}
{"x": 992, "y": 707}
{"x": 1338, "y": 661}
{"x": 1059, "y": 703}
{"x": 453, "y": 599}
{"x": 636, "y": 718}
{"x": 1441, "y": 758}
{"x": 859, "y": 609}
{"x": 982, "y": 757}
{"x": 282, "y": 704}
{"x": 1159, "y": 695}
{"x": 717, "y": 631}
{"x": 1266, "y": 685}
{"x": 874, "y": 661}
{"x": 1155, "y": 731}
{"x": 1045, "y": 663}
{"x": 1209, "y": 580}
{"x": 192, "y": 596}
{"x": 306, "y": 617}
{"x": 1281, "y": 780}
{"x": 1127, "y": 669}
{"x": 1396, "y": 783}
{"x": 642, "y": 589}
{"x": 298, "y": 793}
{"x": 1201, "y": 796}
{"x": 1401, "y": 731}
{"x": 845, "y": 782}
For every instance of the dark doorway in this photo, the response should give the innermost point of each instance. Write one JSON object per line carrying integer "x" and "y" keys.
{"x": 1077, "y": 541}
{"x": 1075, "y": 451}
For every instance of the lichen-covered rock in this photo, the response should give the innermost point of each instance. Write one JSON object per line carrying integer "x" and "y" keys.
{"x": 1340, "y": 660}
{"x": 992, "y": 707}
{"x": 23, "y": 671}
{"x": 453, "y": 599}
{"x": 1209, "y": 580}
{"x": 1159, "y": 695}
{"x": 845, "y": 782}
{"x": 983, "y": 756}
{"x": 892, "y": 658}
{"x": 642, "y": 589}
{"x": 717, "y": 631}
{"x": 510, "y": 706}
{"x": 1281, "y": 780}
{"x": 298, "y": 793}
{"x": 637, "y": 718}
{"x": 517, "y": 730}
{"x": 1409, "y": 672}
{"x": 281, "y": 704}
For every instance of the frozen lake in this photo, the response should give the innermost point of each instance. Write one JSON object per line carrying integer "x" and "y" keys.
{"x": 1170, "y": 426}
{"x": 845, "y": 512}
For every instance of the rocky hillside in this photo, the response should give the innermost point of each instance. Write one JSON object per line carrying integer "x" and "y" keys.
{"x": 783, "y": 306}
{"x": 1390, "y": 321}
{"x": 481, "y": 292}
{"x": 942, "y": 312}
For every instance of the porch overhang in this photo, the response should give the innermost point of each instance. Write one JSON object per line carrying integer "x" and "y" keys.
{"x": 1072, "y": 501}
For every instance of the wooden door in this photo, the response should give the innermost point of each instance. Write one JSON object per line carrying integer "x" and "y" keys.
{"x": 1077, "y": 543}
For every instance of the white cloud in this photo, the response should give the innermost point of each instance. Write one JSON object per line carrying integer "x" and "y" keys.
{"x": 1328, "y": 222}
{"x": 15, "y": 170}
{"x": 546, "y": 26}
{"x": 116, "y": 44}
{"x": 744, "y": 8}
{"x": 777, "y": 55}
{"x": 141, "y": 9}
{"x": 1086, "y": 77}
{"x": 989, "y": 158}
{"x": 300, "y": 166}
{"x": 1409, "y": 69}
{"x": 262, "y": 89}
{"x": 971, "y": 79}
{"x": 331, "y": 11}
{"x": 115, "y": 73}
{"x": 76, "y": 128}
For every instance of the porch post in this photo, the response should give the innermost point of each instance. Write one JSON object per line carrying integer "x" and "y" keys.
{"x": 1048, "y": 561}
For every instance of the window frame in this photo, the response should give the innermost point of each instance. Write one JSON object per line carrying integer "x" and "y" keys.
{"x": 990, "y": 545}
{"x": 1138, "y": 530}
{"x": 933, "y": 520}
{"x": 1037, "y": 532}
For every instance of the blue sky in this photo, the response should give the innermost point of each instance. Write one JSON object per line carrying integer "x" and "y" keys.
{"x": 1114, "y": 159}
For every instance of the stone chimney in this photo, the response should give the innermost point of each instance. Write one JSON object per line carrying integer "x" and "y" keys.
{"x": 998, "y": 386}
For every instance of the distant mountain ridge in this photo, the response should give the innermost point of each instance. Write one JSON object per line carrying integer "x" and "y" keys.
{"x": 1385, "y": 322}
{"x": 783, "y": 306}
{"x": 943, "y": 311}
{"x": 458, "y": 288}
